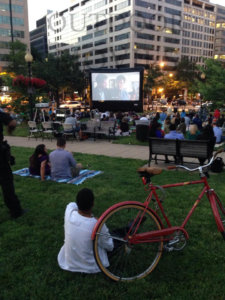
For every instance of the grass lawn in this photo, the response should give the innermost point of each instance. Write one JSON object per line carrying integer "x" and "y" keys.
{"x": 29, "y": 245}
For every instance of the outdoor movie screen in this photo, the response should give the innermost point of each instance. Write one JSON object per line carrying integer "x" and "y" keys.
{"x": 115, "y": 86}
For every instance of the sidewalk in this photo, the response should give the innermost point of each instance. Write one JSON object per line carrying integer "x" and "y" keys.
{"x": 99, "y": 147}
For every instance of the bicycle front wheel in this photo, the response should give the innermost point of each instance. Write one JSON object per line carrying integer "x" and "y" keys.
{"x": 128, "y": 261}
{"x": 221, "y": 213}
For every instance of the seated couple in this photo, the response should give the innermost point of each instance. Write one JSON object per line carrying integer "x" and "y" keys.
{"x": 60, "y": 164}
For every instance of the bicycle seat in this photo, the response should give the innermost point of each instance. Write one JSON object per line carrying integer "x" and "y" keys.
{"x": 148, "y": 171}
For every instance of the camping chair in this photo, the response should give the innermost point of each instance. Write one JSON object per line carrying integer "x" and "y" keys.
{"x": 68, "y": 131}
{"x": 48, "y": 131}
{"x": 34, "y": 131}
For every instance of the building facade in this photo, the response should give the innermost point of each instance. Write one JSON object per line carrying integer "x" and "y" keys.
{"x": 198, "y": 34}
{"x": 13, "y": 26}
{"x": 129, "y": 33}
{"x": 220, "y": 34}
{"x": 38, "y": 37}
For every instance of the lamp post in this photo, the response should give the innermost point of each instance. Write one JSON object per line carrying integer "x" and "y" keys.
{"x": 203, "y": 79}
{"x": 29, "y": 59}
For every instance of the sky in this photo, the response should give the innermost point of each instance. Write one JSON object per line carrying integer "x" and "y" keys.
{"x": 38, "y": 9}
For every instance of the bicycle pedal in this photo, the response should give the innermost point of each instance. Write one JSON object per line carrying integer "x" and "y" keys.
{"x": 168, "y": 248}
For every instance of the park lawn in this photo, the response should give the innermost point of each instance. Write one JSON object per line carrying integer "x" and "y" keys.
{"x": 29, "y": 245}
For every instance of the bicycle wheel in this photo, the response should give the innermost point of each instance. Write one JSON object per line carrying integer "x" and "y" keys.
{"x": 128, "y": 261}
{"x": 221, "y": 212}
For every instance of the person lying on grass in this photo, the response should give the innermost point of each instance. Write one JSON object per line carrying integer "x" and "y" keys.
{"x": 76, "y": 255}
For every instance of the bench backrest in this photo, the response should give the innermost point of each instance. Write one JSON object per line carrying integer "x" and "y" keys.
{"x": 183, "y": 148}
{"x": 199, "y": 149}
{"x": 163, "y": 146}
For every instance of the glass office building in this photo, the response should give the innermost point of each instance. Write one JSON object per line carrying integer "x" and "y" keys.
{"x": 13, "y": 26}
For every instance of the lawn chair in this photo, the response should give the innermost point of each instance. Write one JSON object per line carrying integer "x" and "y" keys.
{"x": 48, "y": 131}
{"x": 68, "y": 131}
{"x": 107, "y": 128}
{"x": 91, "y": 127}
{"x": 34, "y": 131}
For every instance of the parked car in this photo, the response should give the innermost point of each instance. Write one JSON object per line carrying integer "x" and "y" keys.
{"x": 71, "y": 104}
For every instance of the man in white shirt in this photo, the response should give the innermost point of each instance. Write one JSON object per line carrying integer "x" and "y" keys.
{"x": 76, "y": 255}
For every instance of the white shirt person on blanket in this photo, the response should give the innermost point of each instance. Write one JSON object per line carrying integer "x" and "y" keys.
{"x": 76, "y": 255}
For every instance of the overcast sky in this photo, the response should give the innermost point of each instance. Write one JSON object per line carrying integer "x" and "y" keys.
{"x": 38, "y": 9}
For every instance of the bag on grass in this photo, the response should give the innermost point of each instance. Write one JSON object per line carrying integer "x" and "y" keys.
{"x": 217, "y": 165}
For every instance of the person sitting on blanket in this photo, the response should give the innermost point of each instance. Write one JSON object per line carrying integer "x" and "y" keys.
{"x": 76, "y": 255}
{"x": 63, "y": 165}
{"x": 39, "y": 162}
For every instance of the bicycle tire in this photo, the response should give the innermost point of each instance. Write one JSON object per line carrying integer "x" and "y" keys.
{"x": 128, "y": 262}
{"x": 221, "y": 213}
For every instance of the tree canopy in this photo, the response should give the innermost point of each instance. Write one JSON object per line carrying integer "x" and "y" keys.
{"x": 211, "y": 81}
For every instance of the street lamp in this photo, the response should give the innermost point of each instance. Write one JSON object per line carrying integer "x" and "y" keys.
{"x": 29, "y": 59}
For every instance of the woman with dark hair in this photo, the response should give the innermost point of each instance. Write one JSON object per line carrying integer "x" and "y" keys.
{"x": 39, "y": 162}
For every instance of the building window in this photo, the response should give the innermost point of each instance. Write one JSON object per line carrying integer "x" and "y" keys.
{"x": 122, "y": 36}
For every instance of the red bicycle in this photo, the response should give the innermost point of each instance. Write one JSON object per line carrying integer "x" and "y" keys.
{"x": 142, "y": 230}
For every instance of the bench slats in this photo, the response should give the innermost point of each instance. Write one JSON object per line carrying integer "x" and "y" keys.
{"x": 179, "y": 148}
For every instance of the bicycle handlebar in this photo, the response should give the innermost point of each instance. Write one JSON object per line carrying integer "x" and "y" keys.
{"x": 200, "y": 167}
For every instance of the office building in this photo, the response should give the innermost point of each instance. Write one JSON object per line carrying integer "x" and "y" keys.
{"x": 220, "y": 34}
{"x": 13, "y": 26}
{"x": 38, "y": 37}
{"x": 118, "y": 34}
{"x": 129, "y": 33}
{"x": 198, "y": 34}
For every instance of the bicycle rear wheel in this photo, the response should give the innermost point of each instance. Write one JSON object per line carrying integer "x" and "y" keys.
{"x": 129, "y": 261}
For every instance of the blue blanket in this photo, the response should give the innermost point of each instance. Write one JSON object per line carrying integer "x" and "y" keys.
{"x": 84, "y": 174}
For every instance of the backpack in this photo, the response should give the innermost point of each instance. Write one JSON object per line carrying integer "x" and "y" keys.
{"x": 217, "y": 165}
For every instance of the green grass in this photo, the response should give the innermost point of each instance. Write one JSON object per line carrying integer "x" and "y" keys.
{"x": 29, "y": 245}
{"x": 21, "y": 130}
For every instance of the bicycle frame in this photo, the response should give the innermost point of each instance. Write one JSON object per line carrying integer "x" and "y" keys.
{"x": 165, "y": 233}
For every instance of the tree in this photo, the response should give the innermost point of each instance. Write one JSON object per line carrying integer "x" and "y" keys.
{"x": 151, "y": 74}
{"x": 61, "y": 72}
{"x": 211, "y": 81}
{"x": 186, "y": 72}
{"x": 171, "y": 86}
{"x": 17, "y": 64}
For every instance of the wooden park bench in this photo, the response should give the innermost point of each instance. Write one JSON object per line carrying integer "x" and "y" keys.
{"x": 179, "y": 149}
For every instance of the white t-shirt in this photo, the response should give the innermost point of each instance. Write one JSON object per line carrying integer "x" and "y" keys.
{"x": 76, "y": 255}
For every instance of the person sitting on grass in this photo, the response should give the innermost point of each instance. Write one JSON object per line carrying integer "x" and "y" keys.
{"x": 63, "y": 165}
{"x": 39, "y": 162}
{"x": 76, "y": 255}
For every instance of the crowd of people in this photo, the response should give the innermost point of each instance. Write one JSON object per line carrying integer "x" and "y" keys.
{"x": 187, "y": 126}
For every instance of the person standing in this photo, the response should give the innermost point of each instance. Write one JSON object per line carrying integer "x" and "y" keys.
{"x": 63, "y": 165}
{"x": 6, "y": 177}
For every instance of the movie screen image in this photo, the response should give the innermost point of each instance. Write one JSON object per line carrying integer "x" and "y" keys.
{"x": 115, "y": 86}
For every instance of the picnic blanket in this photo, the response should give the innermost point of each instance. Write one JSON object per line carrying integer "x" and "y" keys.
{"x": 84, "y": 174}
